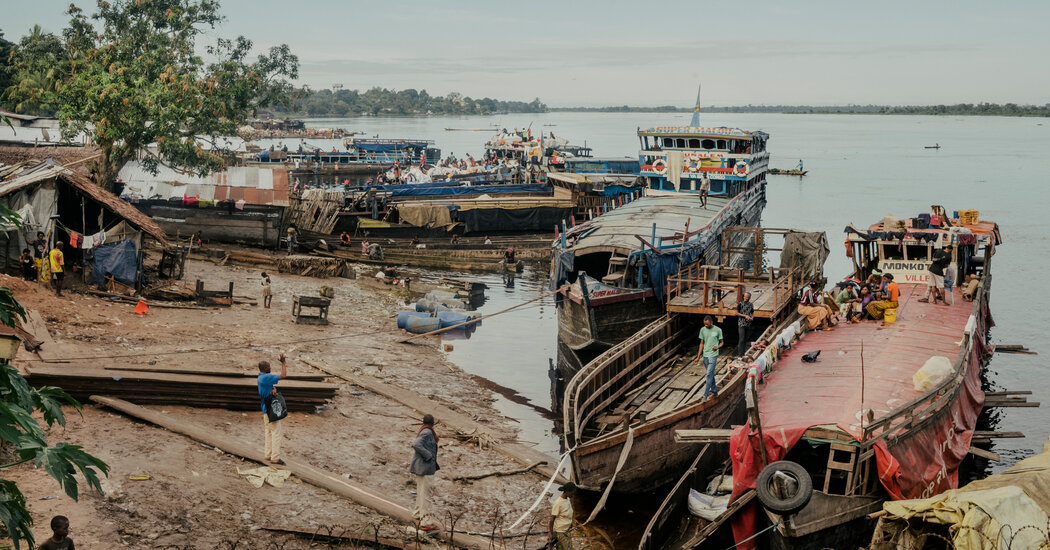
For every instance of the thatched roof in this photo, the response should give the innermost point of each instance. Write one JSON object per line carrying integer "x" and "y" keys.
{"x": 29, "y": 173}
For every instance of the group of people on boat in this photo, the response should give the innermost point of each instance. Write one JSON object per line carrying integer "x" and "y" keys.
{"x": 850, "y": 300}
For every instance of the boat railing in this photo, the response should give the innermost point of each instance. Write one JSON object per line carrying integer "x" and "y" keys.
{"x": 614, "y": 373}
{"x": 716, "y": 282}
{"x": 915, "y": 413}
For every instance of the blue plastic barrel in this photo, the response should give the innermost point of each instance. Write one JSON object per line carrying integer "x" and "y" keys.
{"x": 420, "y": 325}
{"x": 404, "y": 316}
{"x": 451, "y": 318}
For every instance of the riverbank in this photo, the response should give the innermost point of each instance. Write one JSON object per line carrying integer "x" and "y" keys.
{"x": 194, "y": 494}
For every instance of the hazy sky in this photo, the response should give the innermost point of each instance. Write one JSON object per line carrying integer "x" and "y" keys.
{"x": 650, "y": 53}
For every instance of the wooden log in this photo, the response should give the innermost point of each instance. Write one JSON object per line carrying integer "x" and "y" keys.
{"x": 361, "y": 494}
{"x": 422, "y": 405}
{"x": 987, "y": 434}
{"x": 703, "y": 435}
{"x": 981, "y": 453}
{"x": 1007, "y": 392}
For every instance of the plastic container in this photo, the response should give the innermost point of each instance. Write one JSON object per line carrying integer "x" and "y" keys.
{"x": 404, "y": 316}
{"x": 890, "y": 316}
{"x": 420, "y": 325}
{"x": 452, "y": 318}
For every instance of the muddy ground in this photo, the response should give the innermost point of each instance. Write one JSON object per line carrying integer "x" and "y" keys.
{"x": 195, "y": 498}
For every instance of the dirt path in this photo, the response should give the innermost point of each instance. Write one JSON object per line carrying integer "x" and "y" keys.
{"x": 195, "y": 498}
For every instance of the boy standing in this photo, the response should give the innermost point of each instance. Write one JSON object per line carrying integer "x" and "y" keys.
{"x": 60, "y": 539}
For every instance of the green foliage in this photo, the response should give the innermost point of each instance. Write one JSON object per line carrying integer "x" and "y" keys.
{"x": 384, "y": 102}
{"x": 5, "y": 66}
{"x": 136, "y": 79}
{"x": 38, "y": 64}
{"x": 21, "y": 431}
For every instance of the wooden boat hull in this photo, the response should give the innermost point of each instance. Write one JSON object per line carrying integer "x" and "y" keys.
{"x": 828, "y": 521}
{"x": 655, "y": 459}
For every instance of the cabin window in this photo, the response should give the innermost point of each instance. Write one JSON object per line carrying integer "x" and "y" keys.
{"x": 707, "y": 144}
{"x": 721, "y": 144}
{"x": 685, "y": 185}
{"x": 668, "y": 142}
{"x": 679, "y": 143}
{"x": 890, "y": 251}
{"x": 694, "y": 143}
{"x": 917, "y": 252}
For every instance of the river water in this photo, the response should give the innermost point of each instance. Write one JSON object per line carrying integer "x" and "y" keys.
{"x": 861, "y": 167}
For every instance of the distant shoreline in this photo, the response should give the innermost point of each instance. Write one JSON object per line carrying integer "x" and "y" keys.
{"x": 983, "y": 109}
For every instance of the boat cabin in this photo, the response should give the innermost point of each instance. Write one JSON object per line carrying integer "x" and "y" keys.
{"x": 673, "y": 158}
{"x": 602, "y": 165}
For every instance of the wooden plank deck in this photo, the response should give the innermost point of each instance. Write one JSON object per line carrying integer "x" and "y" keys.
{"x": 762, "y": 296}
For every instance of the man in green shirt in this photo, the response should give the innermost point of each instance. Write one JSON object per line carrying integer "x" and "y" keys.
{"x": 710, "y": 343}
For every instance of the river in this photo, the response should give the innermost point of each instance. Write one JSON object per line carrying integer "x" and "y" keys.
{"x": 861, "y": 167}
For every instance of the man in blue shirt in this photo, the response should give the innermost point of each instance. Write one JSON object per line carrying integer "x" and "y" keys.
{"x": 710, "y": 343}
{"x": 267, "y": 386}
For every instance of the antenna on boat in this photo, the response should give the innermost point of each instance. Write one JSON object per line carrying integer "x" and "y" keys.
{"x": 695, "y": 123}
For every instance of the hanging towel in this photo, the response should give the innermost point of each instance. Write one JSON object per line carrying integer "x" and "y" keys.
{"x": 240, "y": 204}
{"x": 99, "y": 238}
{"x": 74, "y": 239}
{"x": 88, "y": 242}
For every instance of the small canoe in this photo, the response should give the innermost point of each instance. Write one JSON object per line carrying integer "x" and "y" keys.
{"x": 779, "y": 172}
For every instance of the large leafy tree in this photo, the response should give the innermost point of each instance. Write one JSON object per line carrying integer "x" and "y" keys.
{"x": 138, "y": 77}
{"x": 38, "y": 66}
{"x": 21, "y": 410}
{"x": 5, "y": 65}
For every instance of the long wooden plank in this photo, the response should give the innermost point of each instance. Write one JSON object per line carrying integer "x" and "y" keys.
{"x": 987, "y": 455}
{"x": 703, "y": 435}
{"x": 523, "y": 454}
{"x": 357, "y": 492}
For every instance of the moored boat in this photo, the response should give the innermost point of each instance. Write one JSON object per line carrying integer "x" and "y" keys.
{"x": 886, "y": 411}
{"x": 622, "y": 410}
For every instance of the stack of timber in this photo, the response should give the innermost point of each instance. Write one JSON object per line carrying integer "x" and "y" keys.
{"x": 172, "y": 293}
{"x": 313, "y": 266}
{"x": 239, "y": 393}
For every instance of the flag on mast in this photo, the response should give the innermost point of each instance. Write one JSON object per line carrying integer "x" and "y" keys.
{"x": 695, "y": 123}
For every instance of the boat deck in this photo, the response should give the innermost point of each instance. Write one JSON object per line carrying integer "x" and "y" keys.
{"x": 680, "y": 381}
{"x": 801, "y": 395}
{"x": 712, "y": 290}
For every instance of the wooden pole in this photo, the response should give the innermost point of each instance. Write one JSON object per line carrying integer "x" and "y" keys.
{"x": 446, "y": 329}
{"x": 308, "y": 473}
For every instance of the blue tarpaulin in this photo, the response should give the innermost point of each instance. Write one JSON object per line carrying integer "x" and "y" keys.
{"x": 119, "y": 259}
{"x": 389, "y": 147}
{"x": 420, "y": 191}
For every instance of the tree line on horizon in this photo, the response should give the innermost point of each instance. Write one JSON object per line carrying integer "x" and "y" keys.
{"x": 379, "y": 101}
{"x": 959, "y": 109}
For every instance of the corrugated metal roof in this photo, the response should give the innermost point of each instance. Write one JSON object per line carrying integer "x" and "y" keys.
{"x": 619, "y": 227}
{"x": 19, "y": 176}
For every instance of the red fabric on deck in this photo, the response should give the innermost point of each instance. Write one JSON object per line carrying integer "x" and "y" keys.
{"x": 798, "y": 396}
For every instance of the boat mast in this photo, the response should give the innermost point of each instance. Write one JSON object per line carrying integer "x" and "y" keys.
{"x": 695, "y": 123}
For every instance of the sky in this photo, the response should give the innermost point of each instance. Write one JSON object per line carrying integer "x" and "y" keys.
{"x": 571, "y": 53}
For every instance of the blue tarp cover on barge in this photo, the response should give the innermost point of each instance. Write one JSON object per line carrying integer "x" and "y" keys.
{"x": 421, "y": 191}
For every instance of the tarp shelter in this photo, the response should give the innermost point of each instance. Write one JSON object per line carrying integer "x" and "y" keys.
{"x": 63, "y": 204}
{"x": 1007, "y": 510}
{"x": 806, "y": 249}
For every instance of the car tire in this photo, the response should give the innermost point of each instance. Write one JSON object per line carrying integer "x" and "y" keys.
{"x": 769, "y": 498}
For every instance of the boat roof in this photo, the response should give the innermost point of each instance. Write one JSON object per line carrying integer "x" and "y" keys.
{"x": 618, "y": 228}
{"x": 800, "y": 395}
{"x": 987, "y": 231}
{"x": 699, "y": 131}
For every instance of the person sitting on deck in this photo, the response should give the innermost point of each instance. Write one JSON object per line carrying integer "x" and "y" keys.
{"x": 817, "y": 314}
{"x": 508, "y": 256}
{"x": 849, "y": 303}
{"x": 877, "y": 309}
{"x": 710, "y": 342}
{"x": 866, "y": 297}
